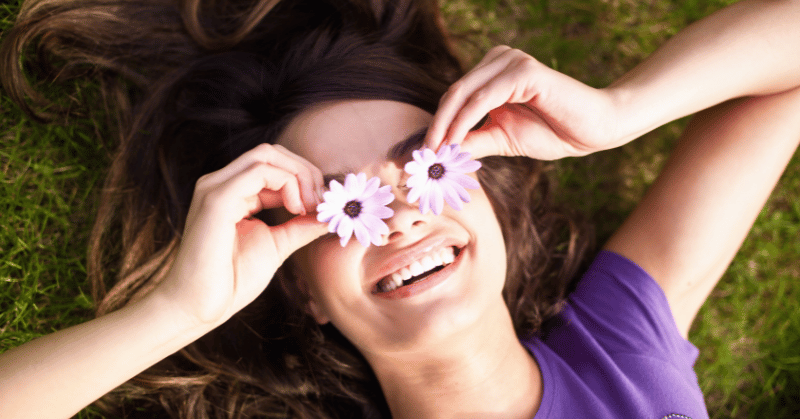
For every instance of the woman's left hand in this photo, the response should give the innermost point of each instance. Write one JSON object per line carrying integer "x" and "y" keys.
{"x": 533, "y": 111}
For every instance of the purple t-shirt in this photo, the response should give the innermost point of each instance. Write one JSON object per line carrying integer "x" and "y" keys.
{"x": 615, "y": 351}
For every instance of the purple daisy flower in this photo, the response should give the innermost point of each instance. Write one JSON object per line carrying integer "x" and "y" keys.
{"x": 440, "y": 177}
{"x": 358, "y": 207}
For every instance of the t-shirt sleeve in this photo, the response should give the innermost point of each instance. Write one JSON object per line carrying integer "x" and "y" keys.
{"x": 627, "y": 311}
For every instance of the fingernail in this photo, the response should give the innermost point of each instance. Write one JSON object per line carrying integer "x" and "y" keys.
{"x": 320, "y": 192}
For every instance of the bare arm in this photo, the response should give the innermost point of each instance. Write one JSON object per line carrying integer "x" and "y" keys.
{"x": 695, "y": 216}
{"x": 55, "y": 376}
{"x": 225, "y": 260}
{"x": 692, "y": 221}
{"x": 749, "y": 48}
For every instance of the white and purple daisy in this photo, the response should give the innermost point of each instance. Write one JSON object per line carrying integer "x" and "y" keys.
{"x": 358, "y": 207}
{"x": 440, "y": 177}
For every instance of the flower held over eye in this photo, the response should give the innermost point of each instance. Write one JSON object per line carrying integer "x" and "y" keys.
{"x": 438, "y": 177}
{"x": 358, "y": 207}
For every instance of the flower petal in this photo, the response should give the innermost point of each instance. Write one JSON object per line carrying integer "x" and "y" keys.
{"x": 417, "y": 180}
{"x": 335, "y": 187}
{"x": 463, "y": 180}
{"x": 444, "y": 153}
{"x": 345, "y": 229}
{"x": 351, "y": 184}
{"x": 376, "y": 237}
{"x": 362, "y": 182}
{"x": 371, "y": 187}
{"x": 436, "y": 199}
{"x": 414, "y": 194}
{"x": 362, "y": 233}
{"x": 335, "y": 198}
{"x": 384, "y": 196}
{"x": 460, "y": 158}
{"x": 451, "y": 196}
{"x": 380, "y": 211}
{"x": 326, "y": 215}
{"x": 374, "y": 223}
{"x": 413, "y": 167}
{"x": 465, "y": 167}
{"x": 425, "y": 199}
{"x": 428, "y": 157}
{"x": 333, "y": 224}
{"x": 462, "y": 193}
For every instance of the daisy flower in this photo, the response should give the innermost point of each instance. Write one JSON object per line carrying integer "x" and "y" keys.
{"x": 358, "y": 207}
{"x": 440, "y": 177}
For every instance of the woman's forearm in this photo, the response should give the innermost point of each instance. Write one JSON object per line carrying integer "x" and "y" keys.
{"x": 57, "y": 375}
{"x": 747, "y": 49}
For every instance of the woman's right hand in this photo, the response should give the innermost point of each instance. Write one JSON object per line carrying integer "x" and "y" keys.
{"x": 227, "y": 257}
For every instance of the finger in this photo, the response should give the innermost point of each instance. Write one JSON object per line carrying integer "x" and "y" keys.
{"x": 487, "y": 141}
{"x": 459, "y": 92}
{"x": 309, "y": 176}
{"x": 272, "y": 155}
{"x": 245, "y": 160}
{"x": 505, "y": 88}
{"x": 296, "y": 233}
{"x": 316, "y": 174}
{"x": 239, "y": 197}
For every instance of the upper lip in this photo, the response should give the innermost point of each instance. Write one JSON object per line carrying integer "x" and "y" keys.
{"x": 413, "y": 252}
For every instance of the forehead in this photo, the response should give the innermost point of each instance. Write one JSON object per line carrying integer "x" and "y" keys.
{"x": 336, "y": 136}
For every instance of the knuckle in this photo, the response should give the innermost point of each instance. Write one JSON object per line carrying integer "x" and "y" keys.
{"x": 456, "y": 89}
{"x": 212, "y": 198}
{"x": 480, "y": 96}
{"x": 202, "y": 184}
{"x": 201, "y": 181}
{"x": 499, "y": 48}
{"x": 527, "y": 64}
{"x": 264, "y": 151}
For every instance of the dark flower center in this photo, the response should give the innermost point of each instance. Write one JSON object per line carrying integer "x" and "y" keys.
{"x": 352, "y": 208}
{"x": 436, "y": 171}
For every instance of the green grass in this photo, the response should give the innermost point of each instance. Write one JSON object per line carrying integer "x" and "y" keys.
{"x": 748, "y": 331}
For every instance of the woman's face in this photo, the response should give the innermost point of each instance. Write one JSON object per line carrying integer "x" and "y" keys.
{"x": 355, "y": 136}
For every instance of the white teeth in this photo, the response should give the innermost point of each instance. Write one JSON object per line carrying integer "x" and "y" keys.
{"x": 442, "y": 257}
{"x": 397, "y": 279}
{"x": 416, "y": 268}
{"x": 427, "y": 263}
{"x": 447, "y": 255}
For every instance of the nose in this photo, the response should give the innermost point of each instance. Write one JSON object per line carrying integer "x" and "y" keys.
{"x": 407, "y": 219}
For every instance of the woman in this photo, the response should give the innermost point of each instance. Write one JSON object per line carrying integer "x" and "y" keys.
{"x": 470, "y": 343}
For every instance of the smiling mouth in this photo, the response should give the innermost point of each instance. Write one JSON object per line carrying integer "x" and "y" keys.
{"x": 388, "y": 284}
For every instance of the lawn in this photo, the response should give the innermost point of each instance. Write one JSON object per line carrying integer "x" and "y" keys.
{"x": 748, "y": 331}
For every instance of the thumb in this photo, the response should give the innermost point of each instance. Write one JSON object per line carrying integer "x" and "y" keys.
{"x": 488, "y": 140}
{"x": 296, "y": 233}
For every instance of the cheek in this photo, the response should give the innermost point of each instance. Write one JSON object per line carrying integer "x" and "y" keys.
{"x": 334, "y": 275}
{"x": 489, "y": 234}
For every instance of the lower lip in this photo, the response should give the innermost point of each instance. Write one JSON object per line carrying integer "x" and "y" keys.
{"x": 425, "y": 284}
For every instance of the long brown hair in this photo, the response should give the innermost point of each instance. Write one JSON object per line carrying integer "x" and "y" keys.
{"x": 192, "y": 85}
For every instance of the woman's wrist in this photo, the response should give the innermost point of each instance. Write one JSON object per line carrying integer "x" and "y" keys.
{"x": 633, "y": 115}
{"x": 169, "y": 301}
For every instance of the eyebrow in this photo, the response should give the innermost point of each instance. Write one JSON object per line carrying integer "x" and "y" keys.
{"x": 396, "y": 152}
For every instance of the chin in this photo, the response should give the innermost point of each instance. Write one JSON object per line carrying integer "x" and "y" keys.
{"x": 436, "y": 327}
